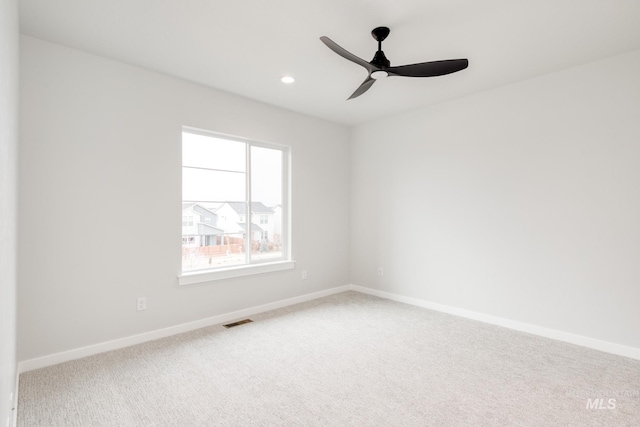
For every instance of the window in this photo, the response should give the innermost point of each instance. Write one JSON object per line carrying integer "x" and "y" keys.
{"x": 232, "y": 179}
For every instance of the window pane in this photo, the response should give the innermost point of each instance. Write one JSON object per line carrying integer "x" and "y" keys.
{"x": 266, "y": 195}
{"x": 212, "y": 186}
{"x": 211, "y": 236}
{"x": 213, "y": 153}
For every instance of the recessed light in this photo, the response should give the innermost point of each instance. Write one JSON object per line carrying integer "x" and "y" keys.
{"x": 287, "y": 80}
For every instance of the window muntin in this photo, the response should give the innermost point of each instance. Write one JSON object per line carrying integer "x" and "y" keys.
{"x": 225, "y": 182}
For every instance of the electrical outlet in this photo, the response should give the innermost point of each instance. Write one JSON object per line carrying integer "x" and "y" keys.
{"x": 304, "y": 274}
{"x": 141, "y": 303}
{"x": 380, "y": 271}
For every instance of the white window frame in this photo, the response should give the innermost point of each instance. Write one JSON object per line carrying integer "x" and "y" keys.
{"x": 285, "y": 262}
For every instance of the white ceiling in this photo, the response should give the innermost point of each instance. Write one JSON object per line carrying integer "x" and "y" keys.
{"x": 245, "y": 46}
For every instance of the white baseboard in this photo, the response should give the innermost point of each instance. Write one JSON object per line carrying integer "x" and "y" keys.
{"x": 65, "y": 356}
{"x": 53, "y": 359}
{"x": 14, "y": 404}
{"x": 596, "y": 344}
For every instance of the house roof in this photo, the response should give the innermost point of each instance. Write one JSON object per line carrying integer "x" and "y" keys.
{"x": 201, "y": 209}
{"x": 254, "y": 226}
{"x": 256, "y": 207}
{"x": 208, "y": 230}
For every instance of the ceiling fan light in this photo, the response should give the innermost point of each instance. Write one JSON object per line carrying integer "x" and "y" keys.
{"x": 379, "y": 74}
{"x": 287, "y": 80}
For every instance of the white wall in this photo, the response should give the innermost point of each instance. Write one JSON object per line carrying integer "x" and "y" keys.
{"x": 8, "y": 200}
{"x": 100, "y": 139}
{"x": 521, "y": 202}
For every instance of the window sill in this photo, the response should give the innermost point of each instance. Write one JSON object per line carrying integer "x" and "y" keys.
{"x": 191, "y": 278}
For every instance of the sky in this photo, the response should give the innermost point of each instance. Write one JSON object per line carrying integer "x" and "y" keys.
{"x": 214, "y": 170}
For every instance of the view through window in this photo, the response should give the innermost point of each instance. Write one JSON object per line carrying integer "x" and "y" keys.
{"x": 233, "y": 201}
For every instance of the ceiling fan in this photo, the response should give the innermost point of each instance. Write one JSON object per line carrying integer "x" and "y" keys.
{"x": 380, "y": 67}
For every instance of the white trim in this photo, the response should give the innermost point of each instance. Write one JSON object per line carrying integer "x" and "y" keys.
{"x": 593, "y": 343}
{"x": 14, "y": 404}
{"x": 53, "y": 359}
{"x": 190, "y": 278}
{"x": 220, "y": 135}
{"x": 65, "y": 356}
{"x": 249, "y": 266}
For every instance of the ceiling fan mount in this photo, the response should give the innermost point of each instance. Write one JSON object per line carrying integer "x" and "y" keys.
{"x": 380, "y": 66}
{"x": 380, "y": 33}
{"x": 379, "y": 59}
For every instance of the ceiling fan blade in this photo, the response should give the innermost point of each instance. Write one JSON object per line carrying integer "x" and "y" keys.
{"x": 429, "y": 69}
{"x": 366, "y": 84}
{"x": 345, "y": 53}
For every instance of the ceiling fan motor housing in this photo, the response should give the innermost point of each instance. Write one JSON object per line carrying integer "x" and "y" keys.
{"x": 380, "y": 61}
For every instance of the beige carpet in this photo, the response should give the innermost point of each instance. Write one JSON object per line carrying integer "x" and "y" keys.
{"x": 345, "y": 360}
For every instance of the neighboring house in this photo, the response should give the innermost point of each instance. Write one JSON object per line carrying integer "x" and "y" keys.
{"x": 262, "y": 219}
{"x": 199, "y": 226}
{"x": 227, "y": 223}
{"x": 257, "y": 233}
